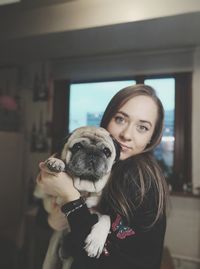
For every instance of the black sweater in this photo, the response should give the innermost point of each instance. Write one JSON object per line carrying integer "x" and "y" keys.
{"x": 134, "y": 247}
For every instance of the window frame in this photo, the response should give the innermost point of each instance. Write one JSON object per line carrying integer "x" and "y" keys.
{"x": 182, "y": 167}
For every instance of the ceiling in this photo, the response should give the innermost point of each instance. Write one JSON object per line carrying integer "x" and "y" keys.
{"x": 179, "y": 31}
{"x": 30, "y": 3}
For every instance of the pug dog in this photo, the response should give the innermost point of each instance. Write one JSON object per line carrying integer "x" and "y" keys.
{"x": 87, "y": 156}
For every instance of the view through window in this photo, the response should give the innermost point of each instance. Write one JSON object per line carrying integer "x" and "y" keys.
{"x": 165, "y": 89}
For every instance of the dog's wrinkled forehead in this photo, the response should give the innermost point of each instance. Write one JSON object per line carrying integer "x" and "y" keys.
{"x": 90, "y": 135}
{"x": 100, "y": 137}
{"x": 91, "y": 140}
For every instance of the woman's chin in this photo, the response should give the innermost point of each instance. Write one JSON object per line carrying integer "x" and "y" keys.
{"x": 124, "y": 156}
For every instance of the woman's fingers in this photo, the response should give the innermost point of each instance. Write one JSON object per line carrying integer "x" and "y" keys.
{"x": 57, "y": 220}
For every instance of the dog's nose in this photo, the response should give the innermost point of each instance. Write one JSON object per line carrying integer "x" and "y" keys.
{"x": 91, "y": 159}
{"x": 91, "y": 156}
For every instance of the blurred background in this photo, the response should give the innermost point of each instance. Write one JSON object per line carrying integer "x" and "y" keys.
{"x": 60, "y": 63}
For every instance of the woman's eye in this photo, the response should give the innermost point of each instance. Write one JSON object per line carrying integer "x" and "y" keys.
{"x": 119, "y": 119}
{"x": 142, "y": 128}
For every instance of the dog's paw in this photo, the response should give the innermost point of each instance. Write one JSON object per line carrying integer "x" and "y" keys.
{"x": 95, "y": 241}
{"x": 92, "y": 201}
{"x": 55, "y": 164}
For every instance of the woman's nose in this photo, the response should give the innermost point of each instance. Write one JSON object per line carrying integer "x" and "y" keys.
{"x": 126, "y": 133}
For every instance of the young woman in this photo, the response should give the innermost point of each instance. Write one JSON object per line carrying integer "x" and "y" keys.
{"x": 135, "y": 196}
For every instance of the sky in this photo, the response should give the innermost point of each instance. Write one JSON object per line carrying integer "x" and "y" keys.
{"x": 165, "y": 89}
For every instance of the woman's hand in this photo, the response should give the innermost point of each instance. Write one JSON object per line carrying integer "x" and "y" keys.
{"x": 56, "y": 219}
{"x": 57, "y": 184}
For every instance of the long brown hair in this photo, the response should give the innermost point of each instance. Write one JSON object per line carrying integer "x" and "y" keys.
{"x": 132, "y": 178}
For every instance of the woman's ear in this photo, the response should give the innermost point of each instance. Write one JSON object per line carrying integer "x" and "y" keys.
{"x": 117, "y": 148}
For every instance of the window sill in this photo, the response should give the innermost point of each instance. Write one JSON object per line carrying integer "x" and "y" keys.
{"x": 186, "y": 195}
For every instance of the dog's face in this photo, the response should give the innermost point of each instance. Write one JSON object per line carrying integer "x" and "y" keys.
{"x": 89, "y": 154}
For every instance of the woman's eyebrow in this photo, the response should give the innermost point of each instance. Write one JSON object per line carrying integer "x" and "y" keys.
{"x": 127, "y": 116}
{"x": 146, "y": 121}
{"x": 124, "y": 114}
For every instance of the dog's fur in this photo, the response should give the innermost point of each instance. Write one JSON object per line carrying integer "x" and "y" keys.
{"x": 87, "y": 156}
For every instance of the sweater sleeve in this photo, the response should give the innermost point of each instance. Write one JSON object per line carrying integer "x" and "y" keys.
{"x": 81, "y": 221}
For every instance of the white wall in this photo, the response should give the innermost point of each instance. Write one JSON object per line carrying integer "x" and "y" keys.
{"x": 124, "y": 64}
{"x": 183, "y": 228}
{"x": 82, "y": 14}
{"x": 196, "y": 120}
{"x": 11, "y": 180}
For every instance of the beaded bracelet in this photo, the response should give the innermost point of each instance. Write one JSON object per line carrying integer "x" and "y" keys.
{"x": 72, "y": 206}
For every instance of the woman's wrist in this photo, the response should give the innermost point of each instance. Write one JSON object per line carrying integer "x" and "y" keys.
{"x": 66, "y": 197}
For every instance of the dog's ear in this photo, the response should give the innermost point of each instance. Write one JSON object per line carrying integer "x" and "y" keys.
{"x": 117, "y": 148}
{"x": 61, "y": 145}
{"x": 66, "y": 138}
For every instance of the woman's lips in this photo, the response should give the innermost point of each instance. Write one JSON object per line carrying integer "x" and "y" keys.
{"x": 124, "y": 147}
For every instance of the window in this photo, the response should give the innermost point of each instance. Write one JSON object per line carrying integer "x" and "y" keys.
{"x": 174, "y": 152}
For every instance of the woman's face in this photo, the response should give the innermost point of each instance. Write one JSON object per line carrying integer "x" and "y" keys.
{"x": 133, "y": 125}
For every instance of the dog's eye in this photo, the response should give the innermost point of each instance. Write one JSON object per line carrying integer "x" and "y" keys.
{"x": 107, "y": 152}
{"x": 77, "y": 147}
